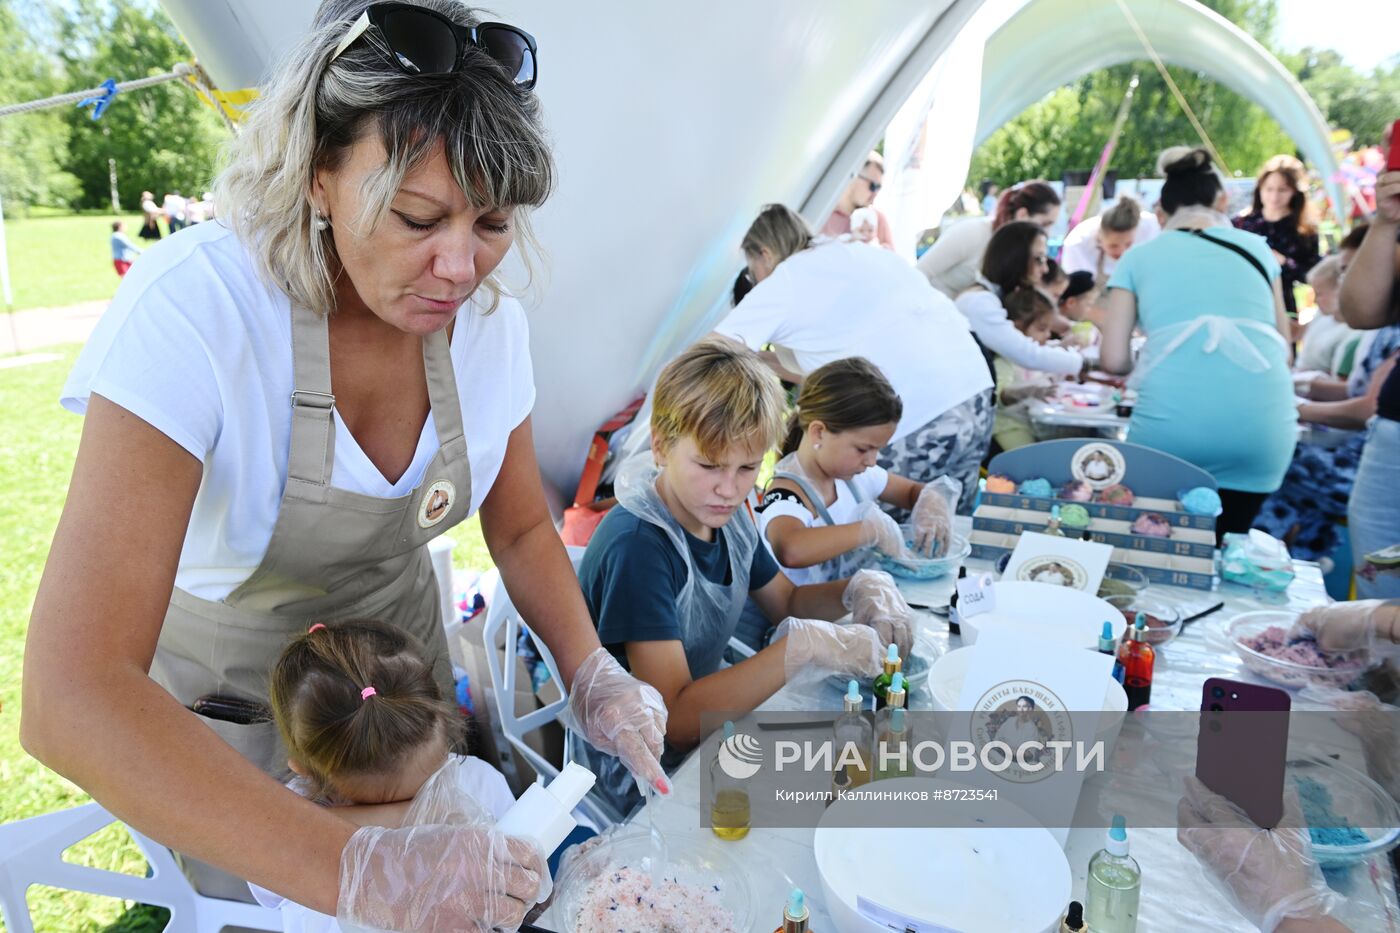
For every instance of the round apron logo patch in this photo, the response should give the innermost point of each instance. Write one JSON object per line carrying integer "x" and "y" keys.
{"x": 437, "y": 502}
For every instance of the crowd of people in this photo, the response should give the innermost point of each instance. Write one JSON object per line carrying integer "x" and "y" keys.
{"x": 217, "y": 539}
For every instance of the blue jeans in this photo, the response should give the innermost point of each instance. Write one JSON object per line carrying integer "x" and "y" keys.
{"x": 1373, "y": 514}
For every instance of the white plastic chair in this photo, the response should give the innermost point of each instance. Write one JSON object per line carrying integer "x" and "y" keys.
{"x": 31, "y": 852}
{"x": 501, "y": 613}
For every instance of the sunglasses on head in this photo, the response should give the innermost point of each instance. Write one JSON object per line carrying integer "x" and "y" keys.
{"x": 424, "y": 42}
{"x": 874, "y": 185}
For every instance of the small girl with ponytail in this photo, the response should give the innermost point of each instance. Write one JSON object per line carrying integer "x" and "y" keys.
{"x": 367, "y": 731}
{"x": 823, "y": 504}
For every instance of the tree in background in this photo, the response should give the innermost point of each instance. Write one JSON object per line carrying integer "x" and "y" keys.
{"x": 1067, "y": 130}
{"x": 32, "y": 145}
{"x": 162, "y": 137}
{"x": 1366, "y": 104}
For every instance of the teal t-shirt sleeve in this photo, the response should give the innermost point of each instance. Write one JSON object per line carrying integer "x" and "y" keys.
{"x": 632, "y": 585}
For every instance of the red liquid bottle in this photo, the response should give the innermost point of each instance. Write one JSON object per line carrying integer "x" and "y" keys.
{"x": 1136, "y": 656}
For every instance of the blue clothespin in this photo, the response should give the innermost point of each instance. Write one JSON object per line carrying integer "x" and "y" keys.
{"x": 99, "y": 104}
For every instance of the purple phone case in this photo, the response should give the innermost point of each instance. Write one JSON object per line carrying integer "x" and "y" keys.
{"x": 1243, "y": 745}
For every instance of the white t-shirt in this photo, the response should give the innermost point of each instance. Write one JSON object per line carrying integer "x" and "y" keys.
{"x": 954, "y": 261}
{"x": 985, "y": 313}
{"x": 479, "y": 780}
{"x": 1081, "y": 250}
{"x": 196, "y": 345}
{"x": 868, "y": 483}
{"x": 1324, "y": 335}
{"x": 837, "y": 300}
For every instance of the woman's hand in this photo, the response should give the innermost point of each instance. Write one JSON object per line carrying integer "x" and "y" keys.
{"x": 875, "y": 601}
{"x": 1268, "y": 874}
{"x": 1388, "y": 196}
{"x": 620, "y": 715}
{"x": 438, "y": 878}
{"x": 844, "y": 649}
{"x": 1350, "y": 626}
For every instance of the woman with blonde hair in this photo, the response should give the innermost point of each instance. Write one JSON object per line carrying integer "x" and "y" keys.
{"x": 282, "y": 409}
{"x": 1279, "y": 213}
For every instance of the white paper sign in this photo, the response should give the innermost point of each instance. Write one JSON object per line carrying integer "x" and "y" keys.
{"x": 976, "y": 595}
{"x": 1066, "y": 687}
{"x": 1068, "y": 562}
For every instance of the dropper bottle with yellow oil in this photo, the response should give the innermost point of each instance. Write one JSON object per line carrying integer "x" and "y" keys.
{"x": 729, "y": 809}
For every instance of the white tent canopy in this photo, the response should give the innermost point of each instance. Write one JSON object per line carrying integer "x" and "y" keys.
{"x": 672, "y": 125}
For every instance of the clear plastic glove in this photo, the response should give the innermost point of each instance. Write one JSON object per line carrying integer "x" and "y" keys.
{"x": 875, "y": 600}
{"x": 933, "y": 517}
{"x": 437, "y": 879}
{"x": 620, "y": 715}
{"x": 1340, "y": 626}
{"x": 1269, "y": 875}
{"x": 880, "y": 531}
{"x": 1376, "y": 724}
{"x": 444, "y": 798}
{"x": 851, "y": 650}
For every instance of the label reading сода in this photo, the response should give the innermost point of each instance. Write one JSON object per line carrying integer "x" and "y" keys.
{"x": 975, "y": 595}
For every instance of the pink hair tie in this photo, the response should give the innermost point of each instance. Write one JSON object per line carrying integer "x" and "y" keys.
{"x": 315, "y": 628}
{"x": 368, "y": 692}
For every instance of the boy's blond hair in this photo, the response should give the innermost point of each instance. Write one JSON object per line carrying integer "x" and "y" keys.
{"x": 719, "y": 393}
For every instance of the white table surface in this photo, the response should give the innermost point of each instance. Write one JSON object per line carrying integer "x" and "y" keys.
{"x": 1176, "y": 896}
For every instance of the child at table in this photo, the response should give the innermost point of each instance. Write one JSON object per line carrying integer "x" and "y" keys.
{"x": 1033, "y": 314}
{"x": 822, "y": 509}
{"x": 669, "y": 569}
{"x": 368, "y": 732}
{"x": 1078, "y": 310}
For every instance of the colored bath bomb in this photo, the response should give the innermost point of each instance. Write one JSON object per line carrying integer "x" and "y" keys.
{"x": 1152, "y": 524}
{"x": 1038, "y": 487}
{"x": 1076, "y": 490}
{"x": 1004, "y": 485}
{"x": 1074, "y": 516}
{"x": 1117, "y": 494}
{"x": 1201, "y": 501}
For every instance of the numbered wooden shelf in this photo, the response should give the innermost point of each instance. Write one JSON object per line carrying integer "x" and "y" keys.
{"x": 1185, "y": 558}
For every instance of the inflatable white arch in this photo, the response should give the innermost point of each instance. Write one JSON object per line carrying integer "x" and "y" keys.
{"x": 673, "y": 124}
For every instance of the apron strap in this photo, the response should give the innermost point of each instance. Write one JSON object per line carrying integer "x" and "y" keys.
{"x": 442, "y": 388}
{"x": 311, "y": 453}
{"x": 810, "y": 493}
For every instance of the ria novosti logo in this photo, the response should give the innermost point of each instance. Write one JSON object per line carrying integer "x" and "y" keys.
{"x": 740, "y": 756}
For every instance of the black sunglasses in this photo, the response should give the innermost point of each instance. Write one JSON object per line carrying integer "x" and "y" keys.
{"x": 424, "y": 42}
{"x": 874, "y": 185}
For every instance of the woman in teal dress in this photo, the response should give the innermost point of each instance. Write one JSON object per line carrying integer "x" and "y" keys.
{"x": 1213, "y": 380}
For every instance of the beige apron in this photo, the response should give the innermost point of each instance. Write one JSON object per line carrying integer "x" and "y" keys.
{"x": 334, "y": 554}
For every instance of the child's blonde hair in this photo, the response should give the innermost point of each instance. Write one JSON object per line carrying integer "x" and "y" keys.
{"x": 719, "y": 393}
{"x": 331, "y": 723}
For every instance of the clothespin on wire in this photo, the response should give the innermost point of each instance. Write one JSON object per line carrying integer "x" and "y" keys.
{"x": 99, "y": 103}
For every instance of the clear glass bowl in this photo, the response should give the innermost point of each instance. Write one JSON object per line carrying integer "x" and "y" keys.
{"x": 924, "y": 569}
{"x": 1351, "y": 796}
{"x": 1250, "y": 625}
{"x": 1163, "y": 621}
{"x": 691, "y": 859}
{"x": 1122, "y": 580}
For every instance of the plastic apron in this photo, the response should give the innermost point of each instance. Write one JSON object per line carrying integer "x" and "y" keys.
{"x": 1224, "y": 335}
{"x": 708, "y": 612}
{"x": 334, "y": 554}
{"x": 843, "y": 565}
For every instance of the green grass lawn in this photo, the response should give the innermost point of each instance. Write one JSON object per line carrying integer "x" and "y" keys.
{"x": 38, "y": 441}
{"x": 64, "y": 260}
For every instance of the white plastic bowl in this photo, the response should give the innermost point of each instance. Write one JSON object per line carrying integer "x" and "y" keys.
{"x": 960, "y": 878}
{"x": 1055, "y": 613}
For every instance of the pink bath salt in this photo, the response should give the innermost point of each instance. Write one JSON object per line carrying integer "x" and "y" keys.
{"x": 1273, "y": 643}
{"x": 1077, "y": 490}
{"x": 1153, "y": 525}
{"x": 625, "y": 899}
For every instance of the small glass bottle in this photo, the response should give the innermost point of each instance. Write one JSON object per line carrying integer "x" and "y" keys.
{"x": 729, "y": 808}
{"x": 1114, "y": 885}
{"x": 891, "y": 734}
{"x": 954, "y": 617}
{"x": 854, "y": 738}
{"x": 795, "y": 914}
{"x": 1136, "y": 657}
{"x": 893, "y": 664}
{"x": 1106, "y": 640}
{"x": 1052, "y": 527}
